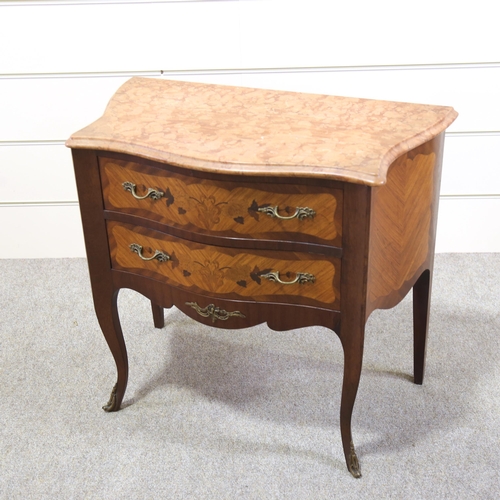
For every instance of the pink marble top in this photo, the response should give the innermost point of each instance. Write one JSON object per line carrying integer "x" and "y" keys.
{"x": 261, "y": 132}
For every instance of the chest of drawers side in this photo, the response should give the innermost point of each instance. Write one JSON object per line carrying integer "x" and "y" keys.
{"x": 403, "y": 225}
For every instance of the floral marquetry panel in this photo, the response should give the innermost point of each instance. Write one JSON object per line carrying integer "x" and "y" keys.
{"x": 290, "y": 277}
{"x": 288, "y": 211}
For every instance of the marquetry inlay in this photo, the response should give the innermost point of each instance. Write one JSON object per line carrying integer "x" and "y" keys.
{"x": 228, "y": 271}
{"x": 221, "y": 206}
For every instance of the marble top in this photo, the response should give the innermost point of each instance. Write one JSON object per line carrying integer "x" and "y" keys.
{"x": 261, "y": 132}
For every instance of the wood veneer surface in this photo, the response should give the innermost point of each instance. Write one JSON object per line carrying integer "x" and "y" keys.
{"x": 227, "y": 272}
{"x": 403, "y": 224}
{"x": 261, "y": 132}
{"x": 224, "y": 208}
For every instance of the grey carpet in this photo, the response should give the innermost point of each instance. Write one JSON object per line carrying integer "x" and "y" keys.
{"x": 248, "y": 414}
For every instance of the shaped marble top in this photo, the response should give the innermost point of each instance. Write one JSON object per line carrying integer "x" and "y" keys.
{"x": 261, "y": 132}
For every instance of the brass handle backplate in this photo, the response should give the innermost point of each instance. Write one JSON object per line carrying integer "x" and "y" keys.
{"x": 211, "y": 311}
{"x": 300, "y": 213}
{"x": 154, "y": 194}
{"x": 300, "y": 278}
{"x": 158, "y": 255}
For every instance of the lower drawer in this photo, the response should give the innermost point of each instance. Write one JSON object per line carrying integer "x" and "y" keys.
{"x": 256, "y": 275}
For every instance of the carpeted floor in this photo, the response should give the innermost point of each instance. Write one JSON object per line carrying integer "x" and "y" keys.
{"x": 247, "y": 414}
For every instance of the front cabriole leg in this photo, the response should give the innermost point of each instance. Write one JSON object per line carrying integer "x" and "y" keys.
{"x": 355, "y": 238}
{"x": 353, "y": 464}
{"x": 353, "y": 354}
{"x": 104, "y": 293}
{"x": 107, "y": 314}
{"x": 111, "y": 404}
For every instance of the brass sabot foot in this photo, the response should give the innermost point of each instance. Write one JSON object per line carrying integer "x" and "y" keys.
{"x": 353, "y": 465}
{"x": 110, "y": 405}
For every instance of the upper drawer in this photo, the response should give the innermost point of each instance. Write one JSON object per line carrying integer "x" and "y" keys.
{"x": 234, "y": 209}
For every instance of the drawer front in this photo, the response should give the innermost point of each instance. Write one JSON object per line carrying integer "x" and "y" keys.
{"x": 257, "y": 275}
{"x": 257, "y": 211}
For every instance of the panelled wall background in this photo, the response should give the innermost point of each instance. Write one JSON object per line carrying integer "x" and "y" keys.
{"x": 60, "y": 62}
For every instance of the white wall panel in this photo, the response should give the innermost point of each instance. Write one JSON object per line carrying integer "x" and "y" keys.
{"x": 47, "y": 109}
{"x": 468, "y": 224}
{"x": 36, "y": 172}
{"x": 288, "y": 33}
{"x": 118, "y": 37}
{"x": 44, "y": 172}
{"x": 41, "y": 231}
{"x": 53, "y": 108}
{"x": 243, "y": 34}
{"x": 471, "y": 165}
{"x": 31, "y": 231}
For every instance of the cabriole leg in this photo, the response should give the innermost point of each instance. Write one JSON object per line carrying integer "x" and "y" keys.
{"x": 107, "y": 314}
{"x": 353, "y": 359}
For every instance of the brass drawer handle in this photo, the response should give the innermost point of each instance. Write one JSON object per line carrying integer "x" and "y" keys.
{"x": 211, "y": 311}
{"x": 158, "y": 255}
{"x": 154, "y": 194}
{"x": 300, "y": 278}
{"x": 300, "y": 213}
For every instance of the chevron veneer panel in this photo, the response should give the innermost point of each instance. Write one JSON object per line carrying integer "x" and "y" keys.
{"x": 402, "y": 229}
